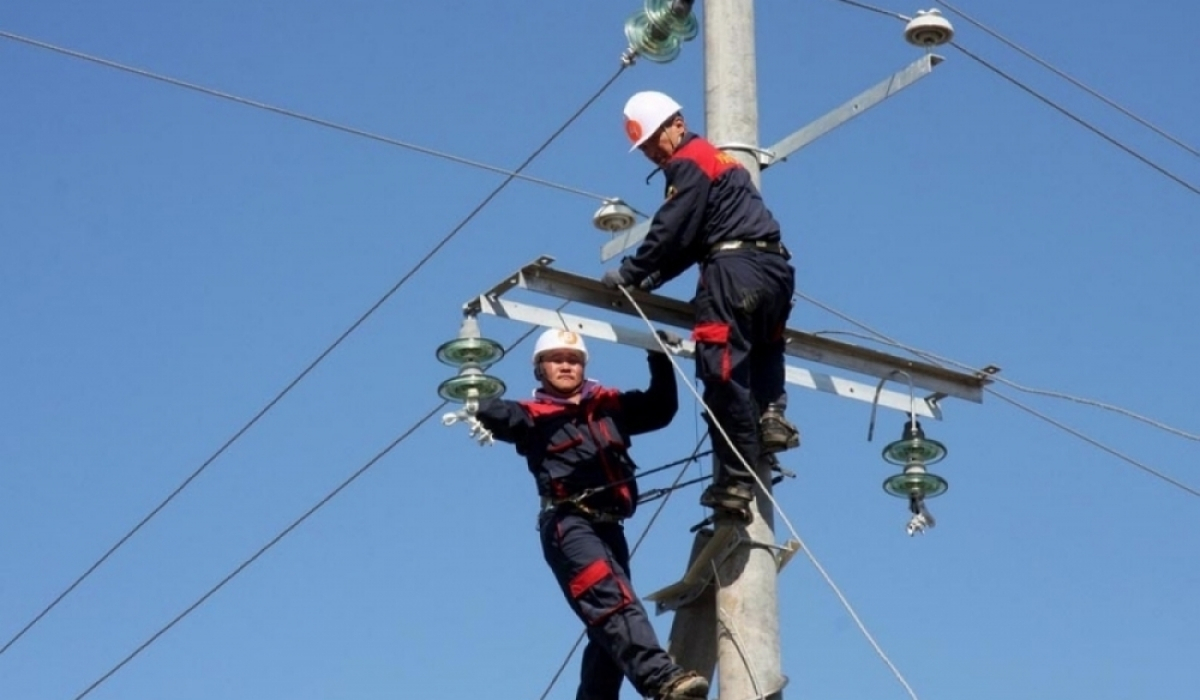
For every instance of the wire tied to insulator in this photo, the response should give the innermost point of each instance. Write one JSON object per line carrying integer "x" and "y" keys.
{"x": 921, "y": 519}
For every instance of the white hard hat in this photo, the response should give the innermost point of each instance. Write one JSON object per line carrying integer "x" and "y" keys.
{"x": 645, "y": 112}
{"x": 559, "y": 339}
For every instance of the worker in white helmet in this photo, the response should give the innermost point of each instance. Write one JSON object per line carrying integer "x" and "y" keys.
{"x": 575, "y": 436}
{"x": 715, "y": 217}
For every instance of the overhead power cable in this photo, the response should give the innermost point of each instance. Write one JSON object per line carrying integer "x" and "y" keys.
{"x": 1045, "y": 100}
{"x": 1067, "y": 77}
{"x": 1010, "y": 383}
{"x": 318, "y": 121}
{"x": 877, "y": 10}
{"x": 1077, "y": 119}
{"x": 325, "y": 353}
{"x": 1061, "y": 426}
{"x": 283, "y": 533}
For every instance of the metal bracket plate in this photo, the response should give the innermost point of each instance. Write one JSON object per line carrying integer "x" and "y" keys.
{"x": 724, "y": 541}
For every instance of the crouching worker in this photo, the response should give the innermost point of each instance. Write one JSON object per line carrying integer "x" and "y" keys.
{"x": 575, "y": 435}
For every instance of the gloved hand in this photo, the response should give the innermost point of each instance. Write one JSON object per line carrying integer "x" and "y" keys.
{"x": 614, "y": 278}
{"x": 651, "y": 282}
{"x": 669, "y": 338}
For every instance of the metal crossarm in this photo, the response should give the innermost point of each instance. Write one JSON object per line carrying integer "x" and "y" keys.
{"x": 540, "y": 277}
{"x": 779, "y": 152}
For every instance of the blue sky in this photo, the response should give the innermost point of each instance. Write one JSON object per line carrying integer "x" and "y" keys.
{"x": 172, "y": 261}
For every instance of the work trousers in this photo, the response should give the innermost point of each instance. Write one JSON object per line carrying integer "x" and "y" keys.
{"x": 743, "y": 300}
{"x": 591, "y": 563}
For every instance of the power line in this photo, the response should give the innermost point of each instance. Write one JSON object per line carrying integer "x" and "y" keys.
{"x": 1061, "y": 426}
{"x": 262, "y": 550}
{"x": 1019, "y": 387}
{"x": 1078, "y": 120}
{"x": 877, "y": 10}
{"x": 1065, "y": 76}
{"x": 1096, "y": 443}
{"x": 1045, "y": 100}
{"x": 283, "y": 533}
{"x": 212, "y": 92}
{"x": 325, "y": 353}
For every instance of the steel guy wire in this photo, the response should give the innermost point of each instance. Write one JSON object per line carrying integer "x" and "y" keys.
{"x": 1047, "y": 101}
{"x": 766, "y": 491}
{"x": 325, "y": 353}
{"x": 285, "y": 532}
{"x": 1009, "y": 383}
{"x": 1061, "y": 426}
{"x": 687, "y": 462}
{"x": 1067, "y": 77}
{"x": 318, "y": 121}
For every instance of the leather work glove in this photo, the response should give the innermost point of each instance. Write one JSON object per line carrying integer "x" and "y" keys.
{"x": 614, "y": 278}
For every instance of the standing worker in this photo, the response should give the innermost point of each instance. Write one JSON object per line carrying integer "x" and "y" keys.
{"x": 714, "y": 216}
{"x": 575, "y": 435}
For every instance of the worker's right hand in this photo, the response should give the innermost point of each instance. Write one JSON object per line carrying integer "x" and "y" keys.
{"x": 669, "y": 338}
{"x": 614, "y": 278}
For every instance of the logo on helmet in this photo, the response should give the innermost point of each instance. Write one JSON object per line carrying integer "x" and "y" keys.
{"x": 633, "y": 130}
{"x": 568, "y": 337}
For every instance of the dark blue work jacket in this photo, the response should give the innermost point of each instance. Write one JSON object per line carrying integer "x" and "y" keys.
{"x": 710, "y": 199}
{"x": 574, "y": 447}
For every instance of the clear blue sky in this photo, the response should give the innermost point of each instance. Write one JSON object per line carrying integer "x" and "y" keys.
{"x": 171, "y": 261}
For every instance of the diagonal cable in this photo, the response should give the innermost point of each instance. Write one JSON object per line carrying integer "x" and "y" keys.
{"x": 1047, "y": 101}
{"x": 1078, "y": 120}
{"x": 933, "y": 357}
{"x": 325, "y": 353}
{"x": 1095, "y": 443}
{"x": 1067, "y": 77}
{"x": 877, "y": 10}
{"x": 283, "y": 533}
{"x": 220, "y": 94}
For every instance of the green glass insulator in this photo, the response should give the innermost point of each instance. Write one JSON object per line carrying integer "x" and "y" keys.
{"x": 475, "y": 385}
{"x": 462, "y": 351}
{"x": 640, "y": 34}
{"x": 902, "y": 452}
{"x": 685, "y": 27}
{"x": 920, "y": 484}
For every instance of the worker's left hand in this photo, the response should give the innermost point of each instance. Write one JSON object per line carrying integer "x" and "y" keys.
{"x": 669, "y": 338}
{"x": 614, "y": 278}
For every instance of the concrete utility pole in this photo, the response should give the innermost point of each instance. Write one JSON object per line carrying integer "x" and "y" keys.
{"x": 747, "y": 609}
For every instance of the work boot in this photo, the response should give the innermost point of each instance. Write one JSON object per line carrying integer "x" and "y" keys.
{"x": 688, "y": 685}
{"x": 731, "y": 497}
{"x": 778, "y": 434}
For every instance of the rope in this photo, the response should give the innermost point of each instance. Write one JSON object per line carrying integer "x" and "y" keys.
{"x": 778, "y": 509}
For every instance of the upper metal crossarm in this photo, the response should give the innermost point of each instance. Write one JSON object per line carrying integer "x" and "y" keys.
{"x": 799, "y": 139}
